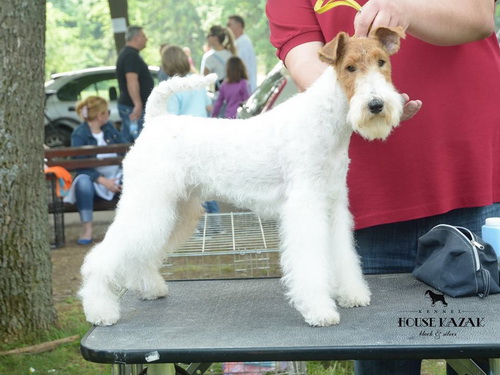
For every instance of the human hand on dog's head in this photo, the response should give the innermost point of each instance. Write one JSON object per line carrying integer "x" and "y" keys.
{"x": 389, "y": 39}
{"x": 380, "y": 13}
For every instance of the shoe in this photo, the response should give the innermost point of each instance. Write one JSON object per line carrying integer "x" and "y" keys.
{"x": 84, "y": 241}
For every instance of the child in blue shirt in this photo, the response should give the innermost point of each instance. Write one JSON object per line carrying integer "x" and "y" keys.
{"x": 175, "y": 62}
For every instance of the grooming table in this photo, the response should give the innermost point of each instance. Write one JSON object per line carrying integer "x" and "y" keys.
{"x": 238, "y": 320}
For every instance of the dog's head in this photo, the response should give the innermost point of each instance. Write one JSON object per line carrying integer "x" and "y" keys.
{"x": 363, "y": 70}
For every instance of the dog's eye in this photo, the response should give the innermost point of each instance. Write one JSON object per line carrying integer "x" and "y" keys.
{"x": 381, "y": 63}
{"x": 351, "y": 68}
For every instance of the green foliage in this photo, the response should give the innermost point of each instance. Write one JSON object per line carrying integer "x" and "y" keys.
{"x": 497, "y": 17}
{"x": 331, "y": 368}
{"x": 79, "y": 33}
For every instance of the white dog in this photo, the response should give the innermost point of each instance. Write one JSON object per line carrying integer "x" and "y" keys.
{"x": 289, "y": 163}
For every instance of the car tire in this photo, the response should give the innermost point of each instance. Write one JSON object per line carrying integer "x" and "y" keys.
{"x": 57, "y": 136}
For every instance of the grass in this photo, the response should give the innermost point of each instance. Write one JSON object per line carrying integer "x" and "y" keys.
{"x": 66, "y": 359}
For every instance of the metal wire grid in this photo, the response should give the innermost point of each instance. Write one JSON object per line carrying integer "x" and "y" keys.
{"x": 235, "y": 244}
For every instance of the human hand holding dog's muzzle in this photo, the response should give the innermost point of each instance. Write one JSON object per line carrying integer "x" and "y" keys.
{"x": 411, "y": 107}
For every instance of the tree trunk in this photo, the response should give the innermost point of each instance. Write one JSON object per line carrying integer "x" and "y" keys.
{"x": 26, "y": 307}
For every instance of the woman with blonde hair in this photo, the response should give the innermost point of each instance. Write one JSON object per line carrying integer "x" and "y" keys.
{"x": 93, "y": 183}
{"x": 223, "y": 47}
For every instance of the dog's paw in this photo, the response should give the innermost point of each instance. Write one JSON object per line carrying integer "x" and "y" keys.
{"x": 322, "y": 318}
{"x": 102, "y": 315}
{"x": 159, "y": 290}
{"x": 356, "y": 298}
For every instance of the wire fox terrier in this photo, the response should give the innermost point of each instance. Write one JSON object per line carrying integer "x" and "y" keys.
{"x": 289, "y": 163}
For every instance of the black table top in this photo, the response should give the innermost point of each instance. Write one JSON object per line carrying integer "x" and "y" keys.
{"x": 250, "y": 320}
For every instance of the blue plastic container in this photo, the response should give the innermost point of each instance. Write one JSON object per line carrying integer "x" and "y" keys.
{"x": 134, "y": 129}
{"x": 491, "y": 233}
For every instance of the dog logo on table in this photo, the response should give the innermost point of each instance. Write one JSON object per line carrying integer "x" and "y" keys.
{"x": 435, "y": 297}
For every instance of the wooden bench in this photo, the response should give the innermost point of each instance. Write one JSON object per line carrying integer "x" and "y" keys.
{"x": 64, "y": 157}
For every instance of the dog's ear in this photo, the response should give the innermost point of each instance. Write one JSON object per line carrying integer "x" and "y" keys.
{"x": 389, "y": 37}
{"x": 331, "y": 51}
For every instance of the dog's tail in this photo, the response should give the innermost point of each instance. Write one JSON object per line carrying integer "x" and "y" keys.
{"x": 156, "y": 104}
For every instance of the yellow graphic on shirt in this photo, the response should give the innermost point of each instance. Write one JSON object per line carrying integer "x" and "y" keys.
{"x": 320, "y": 8}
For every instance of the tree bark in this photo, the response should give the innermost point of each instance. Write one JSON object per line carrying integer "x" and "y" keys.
{"x": 26, "y": 307}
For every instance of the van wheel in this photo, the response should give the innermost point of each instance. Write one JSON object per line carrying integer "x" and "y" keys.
{"x": 57, "y": 136}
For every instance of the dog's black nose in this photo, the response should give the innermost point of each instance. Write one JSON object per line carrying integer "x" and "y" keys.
{"x": 376, "y": 106}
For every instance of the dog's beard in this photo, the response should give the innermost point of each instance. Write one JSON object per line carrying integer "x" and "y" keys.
{"x": 375, "y": 126}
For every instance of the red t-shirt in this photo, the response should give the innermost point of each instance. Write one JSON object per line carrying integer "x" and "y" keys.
{"x": 446, "y": 157}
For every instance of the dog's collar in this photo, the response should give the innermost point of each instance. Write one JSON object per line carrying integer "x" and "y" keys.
{"x": 320, "y": 8}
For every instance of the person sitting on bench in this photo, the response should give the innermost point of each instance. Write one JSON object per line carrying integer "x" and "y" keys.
{"x": 94, "y": 183}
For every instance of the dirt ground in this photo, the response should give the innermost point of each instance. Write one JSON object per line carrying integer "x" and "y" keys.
{"x": 66, "y": 261}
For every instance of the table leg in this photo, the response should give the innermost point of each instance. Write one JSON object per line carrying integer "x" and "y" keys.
{"x": 198, "y": 368}
{"x": 495, "y": 366}
{"x": 123, "y": 369}
{"x": 465, "y": 367}
{"x": 161, "y": 369}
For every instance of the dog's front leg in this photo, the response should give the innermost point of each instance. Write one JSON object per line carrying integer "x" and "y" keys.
{"x": 305, "y": 242}
{"x": 349, "y": 287}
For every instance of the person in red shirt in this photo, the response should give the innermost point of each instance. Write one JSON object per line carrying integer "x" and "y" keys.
{"x": 441, "y": 164}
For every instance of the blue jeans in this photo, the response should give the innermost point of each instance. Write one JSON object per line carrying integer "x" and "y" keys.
{"x": 392, "y": 248}
{"x": 211, "y": 207}
{"x": 85, "y": 194}
{"x": 215, "y": 224}
{"x": 125, "y": 111}
{"x": 85, "y": 197}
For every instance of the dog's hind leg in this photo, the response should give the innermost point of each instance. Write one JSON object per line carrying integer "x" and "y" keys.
{"x": 146, "y": 246}
{"x": 305, "y": 237}
{"x": 189, "y": 213}
{"x": 131, "y": 253}
{"x": 348, "y": 285}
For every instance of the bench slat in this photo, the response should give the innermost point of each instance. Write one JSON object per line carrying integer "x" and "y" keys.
{"x": 119, "y": 148}
{"x": 72, "y": 164}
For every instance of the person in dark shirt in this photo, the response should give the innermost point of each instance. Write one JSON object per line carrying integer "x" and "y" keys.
{"x": 135, "y": 82}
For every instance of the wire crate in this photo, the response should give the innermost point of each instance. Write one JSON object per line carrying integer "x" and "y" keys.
{"x": 227, "y": 245}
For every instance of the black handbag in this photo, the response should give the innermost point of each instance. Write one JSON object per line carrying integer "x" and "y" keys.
{"x": 456, "y": 262}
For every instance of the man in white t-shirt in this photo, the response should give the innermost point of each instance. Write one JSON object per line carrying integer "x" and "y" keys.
{"x": 245, "y": 48}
